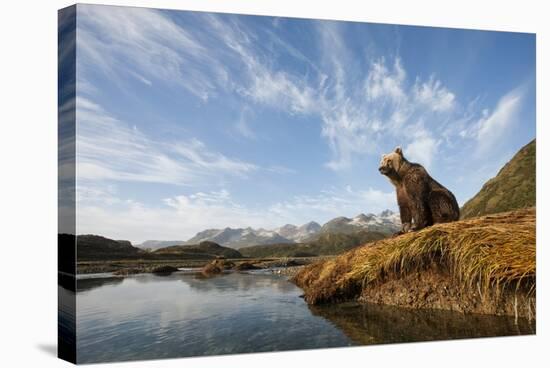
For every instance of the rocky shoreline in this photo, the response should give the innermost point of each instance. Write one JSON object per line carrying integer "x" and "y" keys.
{"x": 282, "y": 266}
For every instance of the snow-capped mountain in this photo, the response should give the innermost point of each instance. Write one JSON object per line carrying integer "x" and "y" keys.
{"x": 236, "y": 238}
{"x": 299, "y": 233}
{"x": 386, "y": 222}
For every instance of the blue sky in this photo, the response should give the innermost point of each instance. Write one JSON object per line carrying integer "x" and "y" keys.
{"x": 188, "y": 120}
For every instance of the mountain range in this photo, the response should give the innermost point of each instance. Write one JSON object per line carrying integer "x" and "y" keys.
{"x": 387, "y": 222}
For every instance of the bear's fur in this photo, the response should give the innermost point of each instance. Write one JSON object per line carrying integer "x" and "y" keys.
{"x": 422, "y": 201}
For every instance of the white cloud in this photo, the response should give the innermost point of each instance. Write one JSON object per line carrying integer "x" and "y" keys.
{"x": 486, "y": 127}
{"x": 434, "y": 95}
{"x": 422, "y": 149}
{"x": 360, "y": 112}
{"x": 491, "y": 126}
{"x": 141, "y": 78}
{"x": 277, "y": 89}
{"x": 389, "y": 111}
{"x": 145, "y": 44}
{"x": 382, "y": 82}
{"x": 279, "y": 169}
{"x": 148, "y": 45}
{"x": 242, "y": 125}
{"x": 348, "y": 133}
{"x": 262, "y": 84}
{"x": 108, "y": 148}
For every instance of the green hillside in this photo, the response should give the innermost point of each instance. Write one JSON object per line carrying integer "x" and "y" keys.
{"x": 326, "y": 244}
{"x": 514, "y": 187}
{"x": 205, "y": 249}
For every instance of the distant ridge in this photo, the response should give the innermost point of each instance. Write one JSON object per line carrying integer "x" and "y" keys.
{"x": 206, "y": 249}
{"x": 95, "y": 247}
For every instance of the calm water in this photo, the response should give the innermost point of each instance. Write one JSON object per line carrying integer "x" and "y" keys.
{"x": 152, "y": 317}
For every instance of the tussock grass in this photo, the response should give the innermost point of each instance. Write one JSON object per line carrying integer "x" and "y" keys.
{"x": 494, "y": 252}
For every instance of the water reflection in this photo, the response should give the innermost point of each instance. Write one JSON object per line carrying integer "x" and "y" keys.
{"x": 152, "y": 317}
{"x": 89, "y": 284}
{"x": 196, "y": 281}
{"x": 222, "y": 283}
{"x": 378, "y": 324}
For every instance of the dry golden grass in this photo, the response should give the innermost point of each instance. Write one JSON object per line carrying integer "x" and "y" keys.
{"x": 486, "y": 253}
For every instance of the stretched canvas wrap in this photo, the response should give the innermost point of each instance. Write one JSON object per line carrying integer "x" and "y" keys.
{"x": 236, "y": 183}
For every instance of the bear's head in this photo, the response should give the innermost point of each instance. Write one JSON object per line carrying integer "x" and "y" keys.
{"x": 391, "y": 163}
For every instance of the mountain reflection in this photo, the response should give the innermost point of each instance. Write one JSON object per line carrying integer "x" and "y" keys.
{"x": 238, "y": 282}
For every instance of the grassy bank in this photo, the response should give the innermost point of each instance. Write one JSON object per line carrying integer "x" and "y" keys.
{"x": 484, "y": 265}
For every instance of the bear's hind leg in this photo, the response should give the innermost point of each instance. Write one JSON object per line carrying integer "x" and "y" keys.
{"x": 443, "y": 207}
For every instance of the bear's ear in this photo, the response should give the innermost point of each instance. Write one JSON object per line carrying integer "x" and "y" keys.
{"x": 398, "y": 150}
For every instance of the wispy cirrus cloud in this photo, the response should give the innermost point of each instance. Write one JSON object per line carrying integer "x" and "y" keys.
{"x": 359, "y": 114}
{"x": 261, "y": 82}
{"x": 111, "y": 149}
{"x": 490, "y": 128}
{"x": 434, "y": 95}
{"x": 147, "y": 45}
{"x": 359, "y": 111}
{"x": 383, "y": 82}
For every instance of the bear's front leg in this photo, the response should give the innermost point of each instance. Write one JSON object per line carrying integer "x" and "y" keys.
{"x": 405, "y": 215}
{"x": 404, "y": 211}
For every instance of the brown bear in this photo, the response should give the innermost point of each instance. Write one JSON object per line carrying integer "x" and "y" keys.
{"x": 422, "y": 201}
